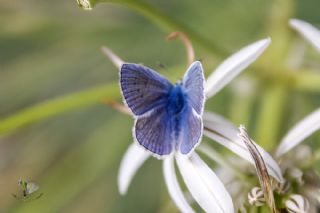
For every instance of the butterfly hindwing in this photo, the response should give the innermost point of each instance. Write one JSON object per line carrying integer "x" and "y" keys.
{"x": 193, "y": 84}
{"x": 154, "y": 131}
{"x": 143, "y": 89}
{"x": 191, "y": 130}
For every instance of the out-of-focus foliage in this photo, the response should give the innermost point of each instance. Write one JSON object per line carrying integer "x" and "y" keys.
{"x": 49, "y": 49}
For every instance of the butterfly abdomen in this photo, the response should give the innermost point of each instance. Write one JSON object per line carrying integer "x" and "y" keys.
{"x": 175, "y": 108}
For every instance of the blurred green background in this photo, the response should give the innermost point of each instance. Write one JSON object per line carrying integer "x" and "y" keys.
{"x": 49, "y": 49}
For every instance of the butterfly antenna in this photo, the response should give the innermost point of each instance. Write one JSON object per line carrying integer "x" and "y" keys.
{"x": 160, "y": 65}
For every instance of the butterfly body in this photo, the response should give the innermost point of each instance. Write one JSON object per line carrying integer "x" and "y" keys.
{"x": 167, "y": 116}
{"x": 176, "y": 101}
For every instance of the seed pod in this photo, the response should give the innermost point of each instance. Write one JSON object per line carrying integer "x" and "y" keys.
{"x": 256, "y": 197}
{"x": 297, "y": 204}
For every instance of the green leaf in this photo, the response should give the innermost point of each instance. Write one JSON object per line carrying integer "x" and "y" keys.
{"x": 58, "y": 106}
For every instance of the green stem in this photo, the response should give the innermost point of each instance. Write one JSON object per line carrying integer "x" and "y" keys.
{"x": 273, "y": 103}
{"x": 58, "y": 106}
{"x": 168, "y": 24}
{"x": 270, "y": 115}
{"x": 279, "y": 30}
{"x": 242, "y": 101}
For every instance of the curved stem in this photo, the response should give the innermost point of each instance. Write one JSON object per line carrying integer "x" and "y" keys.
{"x": 278, "y": 28}
{"x": 186, "y": 42}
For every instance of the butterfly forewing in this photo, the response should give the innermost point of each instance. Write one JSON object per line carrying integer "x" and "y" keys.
{"x": 154, "y": 132}
{"x": 143, "y": 89}
{"x": 191, "y": 119}
{"x": 193, "y": 84}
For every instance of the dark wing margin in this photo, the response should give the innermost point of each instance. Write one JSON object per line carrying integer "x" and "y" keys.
{"x": 191, "y": 131}
{"x": 142, "y": 88}
{"x": 154, "y": 132}
{"x": 193, "y": 85}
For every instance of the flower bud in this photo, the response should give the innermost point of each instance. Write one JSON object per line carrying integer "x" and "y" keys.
{"x": 297, "y": 204}
{"x": 296, "y": 174}
{"x": 256, "y": 197}
{"x": 283, "y": 188}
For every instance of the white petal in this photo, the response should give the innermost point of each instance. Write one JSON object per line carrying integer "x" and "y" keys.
{"x": 309, "y": 32}
{"x": 116, "y": 60}
{"x": 204, "y": 185}
{"x": 225, "y": 133}
{"x": 231, "y": 67}
{"x": 299, "y": 132}
{"x": 173, "y": 186}
{"x": 131, "y": 162}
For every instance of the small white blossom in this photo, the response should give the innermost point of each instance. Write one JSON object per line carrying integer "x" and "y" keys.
{"x": 256, "y": 197}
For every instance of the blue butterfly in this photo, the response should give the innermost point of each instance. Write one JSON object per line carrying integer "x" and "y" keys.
{"x": 168, "y": 117}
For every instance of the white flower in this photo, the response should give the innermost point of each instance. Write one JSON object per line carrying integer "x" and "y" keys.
{"x": 201, "y": 181}
{"x": 309, "y": 32}
{"x": 204, "y": 186}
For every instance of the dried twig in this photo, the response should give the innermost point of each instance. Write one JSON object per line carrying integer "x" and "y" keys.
{"x": 261, "y": 168}
{"x": 186, "y": 42}
{"x": 117, "y": 106}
